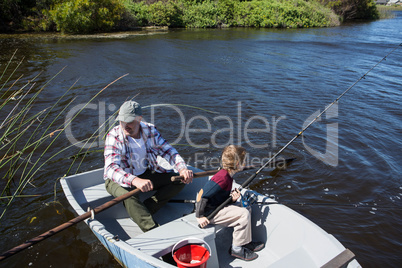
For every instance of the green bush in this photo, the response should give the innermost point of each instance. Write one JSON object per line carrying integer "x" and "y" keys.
{"x": 201, "y": 15}
{"x": 290, "y": 14}
{"x": 367, "y": 10}
{"x": 165, "y": 14}
{"x": 83, "y": 16}
{"x": 226, "y": 10}
{"x": 217, "y": 13}
{"x": 139, "y": 12}
{"x": 353, "y": 9}
{"x": 14, "y": 12}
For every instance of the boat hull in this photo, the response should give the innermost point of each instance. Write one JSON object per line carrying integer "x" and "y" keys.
{"x": 291, "y": 239}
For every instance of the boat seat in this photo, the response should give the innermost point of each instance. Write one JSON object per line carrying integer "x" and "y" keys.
{"x": 97, "y": 195}
{"x": 160, "y": 241}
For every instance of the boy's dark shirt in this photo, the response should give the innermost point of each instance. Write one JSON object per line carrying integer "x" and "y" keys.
{"x": 215, "y": 192}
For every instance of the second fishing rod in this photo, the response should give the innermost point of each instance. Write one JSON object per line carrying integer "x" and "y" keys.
{"x": 253, "y": 176}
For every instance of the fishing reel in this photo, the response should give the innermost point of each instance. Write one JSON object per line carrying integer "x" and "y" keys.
{"x": 248, "y": 199}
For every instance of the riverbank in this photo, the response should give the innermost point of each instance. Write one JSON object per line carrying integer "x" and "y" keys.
{"x": 81, "y": 17}
{"x": 140, "y": 31}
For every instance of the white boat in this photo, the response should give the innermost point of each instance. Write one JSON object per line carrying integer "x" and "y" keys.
{"x": 291, "y": 239}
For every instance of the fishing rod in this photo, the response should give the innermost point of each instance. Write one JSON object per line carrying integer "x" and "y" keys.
{"x": 280, "y": 164}
{"x": 252, "y": 177}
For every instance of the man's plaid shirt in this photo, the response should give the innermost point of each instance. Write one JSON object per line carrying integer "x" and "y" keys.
{"x": 117, "y": 154}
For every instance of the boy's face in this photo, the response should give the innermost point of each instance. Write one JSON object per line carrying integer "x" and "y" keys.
{"x": 242, "y": 165}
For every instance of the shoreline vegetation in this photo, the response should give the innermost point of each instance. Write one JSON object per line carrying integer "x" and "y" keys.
{"x": 87, "y": 17}
{"x": 30, "y": 136}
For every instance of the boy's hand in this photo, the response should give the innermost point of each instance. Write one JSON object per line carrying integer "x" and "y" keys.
{"x": 235, "y": 194}
{"x": 203, "y": 221}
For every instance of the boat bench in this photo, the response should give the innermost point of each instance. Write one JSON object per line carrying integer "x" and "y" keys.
{"x": 160, "y": 241}
{"x": 97, "y": 195}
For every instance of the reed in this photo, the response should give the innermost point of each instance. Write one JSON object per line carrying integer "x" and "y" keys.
{"x": 388, "y": 12}
{"x": 102, "y": 129}
{"x": 29, "y": 133}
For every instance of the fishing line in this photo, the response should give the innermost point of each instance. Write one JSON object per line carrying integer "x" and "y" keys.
{"x": 252, "y": 177}
{"x": 302, "y": 204}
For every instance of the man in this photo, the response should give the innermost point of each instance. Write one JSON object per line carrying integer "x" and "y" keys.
{"x": 131, "y": 151}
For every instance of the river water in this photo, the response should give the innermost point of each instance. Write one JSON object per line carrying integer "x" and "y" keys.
{"x": 254, "y": 87}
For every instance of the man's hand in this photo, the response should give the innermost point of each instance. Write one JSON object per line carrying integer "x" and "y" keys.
{"x": 187, "y": 174}
{"x": 203, "y": 221}
{"x": 144, "y": 185}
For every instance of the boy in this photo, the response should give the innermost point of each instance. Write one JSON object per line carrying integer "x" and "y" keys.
{"x": 215, "y": 192}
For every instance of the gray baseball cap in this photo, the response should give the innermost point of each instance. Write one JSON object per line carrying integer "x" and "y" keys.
{"x": 128, "y": 111}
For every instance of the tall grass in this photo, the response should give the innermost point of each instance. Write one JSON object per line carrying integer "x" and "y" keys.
{"x": 388, "y": 12}
{"x": 28, "y": 133}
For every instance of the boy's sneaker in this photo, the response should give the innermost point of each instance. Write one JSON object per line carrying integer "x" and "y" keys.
{"x": 255, "y": 246}
{"x": 244, "y": 254}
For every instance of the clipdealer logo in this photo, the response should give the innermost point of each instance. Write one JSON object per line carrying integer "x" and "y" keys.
{"x": 238, "y": 130}
{"x": 330, "y": 156}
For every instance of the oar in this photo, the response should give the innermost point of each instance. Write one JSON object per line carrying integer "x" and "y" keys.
{"x": 279, "y": 164}
{"x": 67, "y": 224}
{"x": 252, "y": 177}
